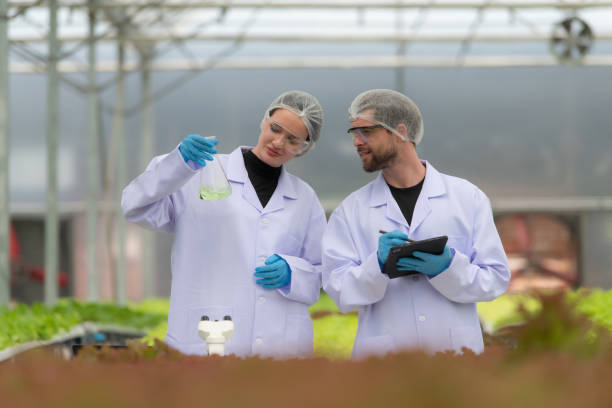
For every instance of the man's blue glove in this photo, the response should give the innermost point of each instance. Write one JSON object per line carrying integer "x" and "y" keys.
{"x": 198, "y": 149}
{"x": 275, "y": 274}
{"x": 388, "y": 241}
{"x": 428, "y": 264}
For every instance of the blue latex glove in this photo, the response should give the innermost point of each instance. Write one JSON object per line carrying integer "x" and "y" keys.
{"x": 388, "y": 241}
{"x": 197, "y": 149}
{"x": 427, "y": 264}
{"x": 275, "y": 274}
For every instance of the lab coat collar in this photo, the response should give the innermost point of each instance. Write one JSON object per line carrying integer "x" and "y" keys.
{"x": 284, "y": 189}
{"x": 433, "y": 186}
{"x": 236, "y": 172}
{"x": 235, "y": 166}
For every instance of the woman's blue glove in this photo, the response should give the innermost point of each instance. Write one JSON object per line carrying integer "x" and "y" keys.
{"x": 428, "y": 264}
{"x": 388, "y": 241}
{"x": 198, "y": 149}
{"x": 275, "y": 274}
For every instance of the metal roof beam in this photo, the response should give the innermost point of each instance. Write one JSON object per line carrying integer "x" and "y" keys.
{"x": 365, "y": 61}
{"x": 308, "y": 38}
{"x": 553, "y": 204}
{"x": 325, "y": 5}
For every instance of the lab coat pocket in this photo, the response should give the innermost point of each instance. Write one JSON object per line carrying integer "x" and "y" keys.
{"x": 288, "y": 245}
{"x": 298, "y": 336}
{"x": 467, "y": 336}
{"x": 195, "y": 315}
{"x": 376, "y": 345}
{"x": 458, "y": 243}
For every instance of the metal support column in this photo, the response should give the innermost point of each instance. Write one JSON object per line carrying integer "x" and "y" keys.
{"x": 52, "y": 218}
{"x": 148, "y": 237}
{"x": 5, "y": 278}
{"x": 400, "y": 85}
{"x": 121, "y": 176}
{"x": 93, "y": 293}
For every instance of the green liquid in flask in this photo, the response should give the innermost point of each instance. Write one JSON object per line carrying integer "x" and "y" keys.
{"x": 209, "y": 194}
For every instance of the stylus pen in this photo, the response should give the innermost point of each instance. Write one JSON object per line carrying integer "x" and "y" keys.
{"x": 384, "y": 232}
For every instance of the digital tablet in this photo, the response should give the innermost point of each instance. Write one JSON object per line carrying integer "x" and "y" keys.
{"x": 432, "y": 245}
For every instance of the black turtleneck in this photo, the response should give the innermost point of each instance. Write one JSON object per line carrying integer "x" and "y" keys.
{"x": 263, "y": 176}
{"x": 406, "y": 198}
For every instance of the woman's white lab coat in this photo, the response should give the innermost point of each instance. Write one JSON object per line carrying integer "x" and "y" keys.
{"x": 217, "y": 246}
{"x": 411, "y": 312}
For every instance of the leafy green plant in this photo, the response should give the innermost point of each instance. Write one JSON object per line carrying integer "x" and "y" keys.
{"x": 560, "y": 326}
{"x": 506, "y": 310}
{"x": 324, "y": 304}
{"x": 596, "y": 304}
{"x": 156, "y": 333}
{"x": 334, "y": 335}
{"x": 39, "y": 322}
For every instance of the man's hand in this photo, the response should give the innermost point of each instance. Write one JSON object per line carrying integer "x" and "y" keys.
{"x": 388, "y": 241}
{"x": 427, "y": 264}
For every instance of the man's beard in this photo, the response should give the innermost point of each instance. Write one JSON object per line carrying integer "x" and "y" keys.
{"x": 380, "y": 160}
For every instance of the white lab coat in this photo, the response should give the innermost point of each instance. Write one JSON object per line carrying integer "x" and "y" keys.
{"x": 415, "y": 312}
{"x": 217, "y": 246}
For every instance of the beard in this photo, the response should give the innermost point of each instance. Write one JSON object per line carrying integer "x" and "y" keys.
{"x": 378, "y": 160}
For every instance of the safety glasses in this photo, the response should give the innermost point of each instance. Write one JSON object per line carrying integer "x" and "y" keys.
{"x": 292, "y": 143}
{"x": 363, "y": 132}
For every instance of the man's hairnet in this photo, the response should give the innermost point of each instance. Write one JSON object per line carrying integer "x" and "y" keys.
{"x": 303, "y": 104}
{"x": 390, "y": 109}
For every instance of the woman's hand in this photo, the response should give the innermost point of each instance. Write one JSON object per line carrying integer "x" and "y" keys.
{"x": 198, "y": 149}
{"x": 275, "y": 274}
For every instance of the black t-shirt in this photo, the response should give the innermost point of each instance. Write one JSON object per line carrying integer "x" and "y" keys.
{"x": 263, "y": 176}
{"x": 406, "y": 198}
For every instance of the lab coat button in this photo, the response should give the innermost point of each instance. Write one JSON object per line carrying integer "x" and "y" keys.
{"x": 259, "y": 340}
{"x": 262, "y": 259}
{"x": 262, "y": 299}
{"x": 422, "y": 318}
{"x": 415, "y": 278}
{"x": 265, "y": 221}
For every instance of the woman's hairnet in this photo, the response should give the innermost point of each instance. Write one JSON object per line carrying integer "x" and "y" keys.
{"x": 390, "y": 109}
{"x": 303, "y": 104}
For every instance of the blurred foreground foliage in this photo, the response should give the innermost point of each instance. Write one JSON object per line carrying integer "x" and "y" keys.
{"x": 157, "y": 376}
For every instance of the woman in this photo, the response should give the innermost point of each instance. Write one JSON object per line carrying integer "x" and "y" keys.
{"x": 255, "y": 255}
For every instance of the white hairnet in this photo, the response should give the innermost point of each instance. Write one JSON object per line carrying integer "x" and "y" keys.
{"x": 390, "y": 109}
{"x": 303, "y": 104}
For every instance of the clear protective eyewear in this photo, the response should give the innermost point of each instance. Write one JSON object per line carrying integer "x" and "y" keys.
{"x": 363, "y": 132}
{"x": 293, "y": 144}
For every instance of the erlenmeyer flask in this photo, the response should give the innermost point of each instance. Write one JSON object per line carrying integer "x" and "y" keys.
{"x": 214, "y": 181}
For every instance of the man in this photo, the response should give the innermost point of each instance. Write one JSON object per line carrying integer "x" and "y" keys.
{"x": 433, "y": 309}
